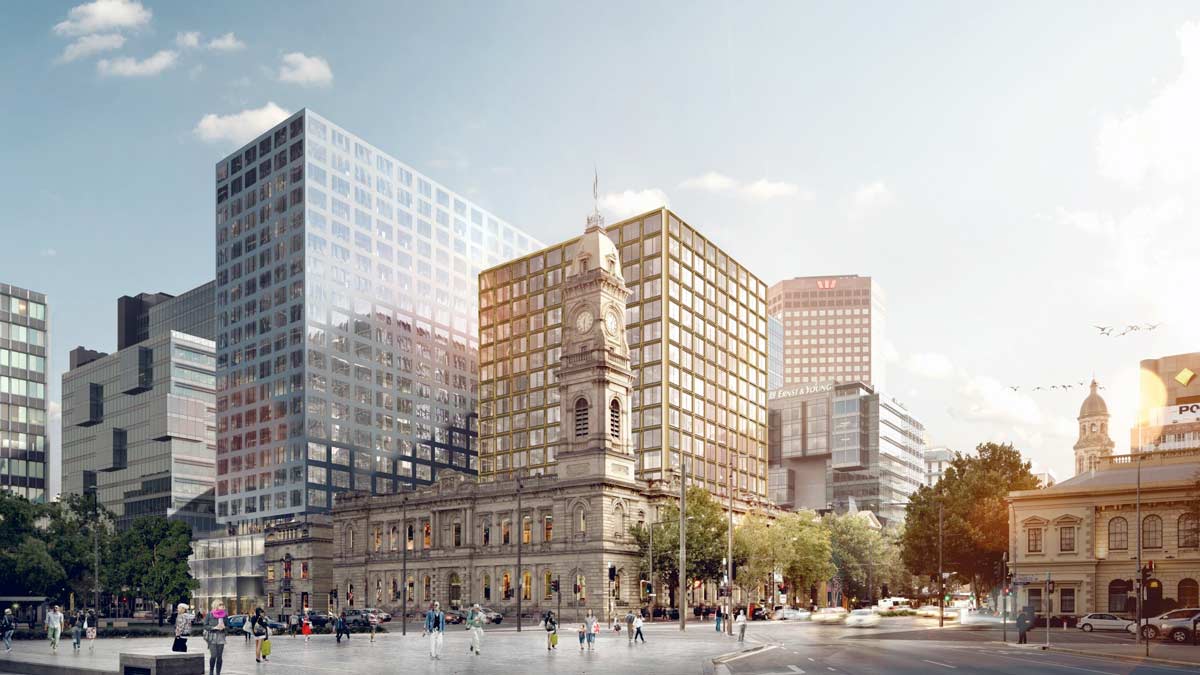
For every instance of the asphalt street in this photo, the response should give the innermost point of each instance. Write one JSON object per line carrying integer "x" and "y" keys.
{"x": 908, "y": 645}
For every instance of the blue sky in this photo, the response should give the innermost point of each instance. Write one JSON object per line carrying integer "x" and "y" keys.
{"x": 1010, "y": 174}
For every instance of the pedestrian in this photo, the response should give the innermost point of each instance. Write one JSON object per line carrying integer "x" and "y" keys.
{"x": 551, "y": 625}
{"x": 54, "y": 624}
{"x": 629, "y": 619}
{"x": 373, "y": 619}
{"x": 306, "y": 627}
{"x": 1022, "y": 628}
{"x": 740, "y": 624}
{"x": 637, "y": 626}
{"x": 294, "y": 624}
{"x": 435, "y": 627}
{"x": 261, "y": 631}
{"x": 89, "y": 629}
{"x": 720, "y": 615}
{"x": 8, "y": 625}
{"x": 475, "y": 625}
{"x": 183, "y": 627}
{"x": 583, "y": 633}
{"x": 215, "y": 632}
{"x": 342, "y": 627}
{"x": 76, "y": 629}
{"x": 593, "y": 630}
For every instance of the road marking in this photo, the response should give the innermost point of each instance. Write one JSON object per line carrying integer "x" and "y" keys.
{"x": 743, "y": 655}
{"x": 812, "y": 659}
{"x": 1056, "y": 665}
{"x": 944, "y": 665}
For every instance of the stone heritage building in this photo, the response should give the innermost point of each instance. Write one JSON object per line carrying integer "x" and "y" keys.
{"x": 1094, "y": 442}
{"x": 1084, "y": 534}
{"x": 458, "y": 539}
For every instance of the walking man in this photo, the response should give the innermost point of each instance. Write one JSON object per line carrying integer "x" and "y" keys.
{"x": 435, "y": 627}
{"x": 740, "y": 624}
{"x": 1022, "y": 628}
{"x": 475, "y": 624}
{"x": 629, "y": 618}
{"x": 76, "y": 629}
{"x": 294, "y": 624}
{"x": 54, "y": 624}
{"x": 341, "y": 627}
{"x": 720, "y": 616}
{"x": 8, "y": 625}
{"x": 373, "y": 619}
{"x": 637, "y": 626}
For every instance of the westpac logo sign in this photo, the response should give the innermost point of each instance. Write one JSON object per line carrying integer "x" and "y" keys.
{"x": 826, "y": 284}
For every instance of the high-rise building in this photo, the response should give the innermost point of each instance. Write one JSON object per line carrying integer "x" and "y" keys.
{"x": 696, "y": 325}
{"x": 846, "y": 447}
{"x": 1169, "y": 404}
{"x": 346, "y": 314}
{"x": 833, "y": 328}
{"x": 24, "y": 350}
{"x": 139, "y": 425}
{"x": 937, "y": 460}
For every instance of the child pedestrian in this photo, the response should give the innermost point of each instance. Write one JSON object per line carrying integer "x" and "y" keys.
{"x": 306, "y": 628}
{"x": 583, "y": 633}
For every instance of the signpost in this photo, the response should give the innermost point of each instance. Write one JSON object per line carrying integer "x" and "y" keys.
{"x": 1049, "y": 606}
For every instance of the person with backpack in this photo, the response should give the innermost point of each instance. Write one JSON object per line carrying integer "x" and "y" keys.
{"x": 551, "y": 625}
{"x": 8, "y": 626}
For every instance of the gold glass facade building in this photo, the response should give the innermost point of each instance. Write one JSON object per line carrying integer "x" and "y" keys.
{"x": 696, "y": 323}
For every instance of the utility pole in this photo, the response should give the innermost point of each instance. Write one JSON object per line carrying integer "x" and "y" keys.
{"x": 404, "y": 566}
{"x": 520, "y": 537}
{"x": 729, "y": 555}
{"x": 682, "y": 541}
{"x": 96, "y": 549}
{"x": 941, "y": 575}
{"x": 651, "y": 575}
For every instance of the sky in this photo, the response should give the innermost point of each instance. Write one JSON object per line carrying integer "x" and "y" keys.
{"x": 1011, "y": 175}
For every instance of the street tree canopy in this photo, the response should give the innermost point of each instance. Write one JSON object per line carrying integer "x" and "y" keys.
{"x": 48, "y": 548}
{"x": 706, "y": 540}
{"x": 154, "y": 560}
{"x": 973, "y": 495}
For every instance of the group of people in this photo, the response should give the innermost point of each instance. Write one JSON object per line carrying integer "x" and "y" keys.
{"x": 82, "y": 624}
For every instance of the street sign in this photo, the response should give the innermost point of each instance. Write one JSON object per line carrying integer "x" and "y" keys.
{"x": 1024, "y": 579}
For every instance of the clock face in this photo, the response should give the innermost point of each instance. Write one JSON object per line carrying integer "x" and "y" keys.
{"x": 611, "y": 323}
{"x": 583, "y": 322}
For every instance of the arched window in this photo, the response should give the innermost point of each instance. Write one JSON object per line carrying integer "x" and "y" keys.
{"x": 350, "y": 539}
{"x": 1103, "y": 427}
{"x": 378, "y": 591}
{"x": 580, "y": 520}
{"x": 427, "y": 535}
{"x": 526, "y": 530}
{"x": 526, "y": 586}
{"x": 1082, "y": 429}
{"x": 426, "y": 588}
{"x": 506, "y": 586}
{"x": 1189, "y": 533}
{"x": 395, "y": 589}
{"x": 619, "y": 517}
{"x": 409, "y": 536}
{"x": 1093, "y": 427}
{"x": 394, "y": 538}
{"x": 1118, "y": 595}
{"x": 505, "y": 533}
{"x": 614, "y": 419}
{"x": 547, "y": 585}
{"x": 378, "y": 537}
{"x": 1152, "y": 532}
{"x": 411, "y": 583}
{"x": 1118, "y": 535}
{"x": 1189, "y": 593}
{"x": 350, "y": 594}
{"x": 487, "y": 587}
{"x": 580, "y": 588}
{"x": 581, "y": 418}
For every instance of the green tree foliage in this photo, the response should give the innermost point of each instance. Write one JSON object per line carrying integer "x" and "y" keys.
{"x": 153, "y": 560}
{"x": 972, "y": 494}
{"x": 706, "y": 540}
{"x": 51, "y": 545}
{"x": 865, "y": 557}
{"x": 795, "y": 545}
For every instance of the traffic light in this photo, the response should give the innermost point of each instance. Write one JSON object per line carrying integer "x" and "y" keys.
{"x": 554, "y": 585}
{"x": 1150, "y": 566}
{"x": 933, "y": 578}
{"x": 885, "y": 591}
{"x": 782, "y": 588}
{"x": 576, "y": 589}
{"x": 612, "y": 573}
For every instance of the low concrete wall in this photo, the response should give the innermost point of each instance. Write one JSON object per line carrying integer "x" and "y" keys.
{"x": 22, "y": 668}
{"x": 162, "y": 664}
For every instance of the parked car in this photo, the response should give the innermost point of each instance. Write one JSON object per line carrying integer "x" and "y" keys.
{"x": 1175, "y": 625}
{"x": 380, "y": 615}
{"x": 862, "y": 618}
{"x": 235, "y": 622}
{"x": 318, "y": 619}
{"x": 454, "y": 616}
{"x": 792, "y": 614}
{"x": 357, "y": 617}
{"x": 930, "y": 611}
{"x": 671, "y": 613}
{"x": 1102, "y": 621}
{"x": 276, "y": 626}
{"x": 492, "y": 615}
{"x": 829, "y": 615}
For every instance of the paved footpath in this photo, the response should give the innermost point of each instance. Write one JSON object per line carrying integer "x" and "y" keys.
{"x": 667, "y": 651}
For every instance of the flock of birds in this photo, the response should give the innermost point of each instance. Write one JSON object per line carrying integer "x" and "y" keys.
{"x": 1107, "y": 331}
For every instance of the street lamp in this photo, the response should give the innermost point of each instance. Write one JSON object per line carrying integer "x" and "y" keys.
{"x": 520, "y": 537}
{"x": 404, "y": 566}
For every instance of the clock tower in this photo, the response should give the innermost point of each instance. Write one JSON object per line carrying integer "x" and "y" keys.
{"x": 594, "y": 375}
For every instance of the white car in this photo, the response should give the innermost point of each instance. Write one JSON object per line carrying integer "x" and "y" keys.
{"x": 862, "y": 618}
{"x": 792, "y": 614}
{"x": 1100, "y": 621}
{"x": 829, "y": 615}
{"x": 928, "y": 611}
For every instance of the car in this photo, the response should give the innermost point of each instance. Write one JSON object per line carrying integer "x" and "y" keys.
{"x": 492, "y": 615}
{"x": 1102, "y": 621}
{"x": 792, "y": 614}
{"x": 235, "y": 622}
{"x": 380, "y": 615}
{"x": 930, "y": 611}
{"x": 1175, "y": 625}
{"x": 829, "y": 615}
{"x": 948, "y": 612}
{"x": 357, "y": 617}
{"x": 276, "y": 626}
{"x": 862, "y": 618}
{"x": 318, "y": 619}
{"x": 454, "y": 616}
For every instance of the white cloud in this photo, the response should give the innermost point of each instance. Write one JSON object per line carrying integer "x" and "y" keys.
{"x": 127, "y": 66}
{"x": 89, "y": 45}
{"x": 633, "y": 202}
{"x": 870, "y": 199}
{"x": 305, "y": 70}
{"x": 239, "y": 127}
{"x": 710, "y": 182}
{"x": 1162, "y": 140}
{"x": 766, "y": 189}
{"x": 762, "y": 189}
{"x": 1088, "y": 222}
{"x": 931, "y": 365}
{"x": 188, "y": 40}
{"x": 103, "y": 15}
{"x": 227, "y": 43}
{"x": 985, "y": 399}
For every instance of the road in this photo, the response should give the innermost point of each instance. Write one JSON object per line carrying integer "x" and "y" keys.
{"x": 909, "y": 645}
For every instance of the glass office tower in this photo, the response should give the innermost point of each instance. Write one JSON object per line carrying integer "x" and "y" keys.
{"x": 24, "y": 348}
{"x": 347, "y": 335}
{"x": 696, "y": 323}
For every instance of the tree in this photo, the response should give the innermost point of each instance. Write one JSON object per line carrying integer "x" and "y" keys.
{"x": 154, "y": 560}
{"x": 706, "y": 532}
{"x": 793, "y": 545}
{"x": 973, "y": 495}
{"x": 73, "y": 530}
{"x": 51, "y": 549}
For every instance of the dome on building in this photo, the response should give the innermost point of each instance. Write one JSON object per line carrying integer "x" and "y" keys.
{"x": 1093, "y": 404}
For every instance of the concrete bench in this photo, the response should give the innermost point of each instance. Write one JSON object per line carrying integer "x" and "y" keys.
{"x": 162, "y": 664}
